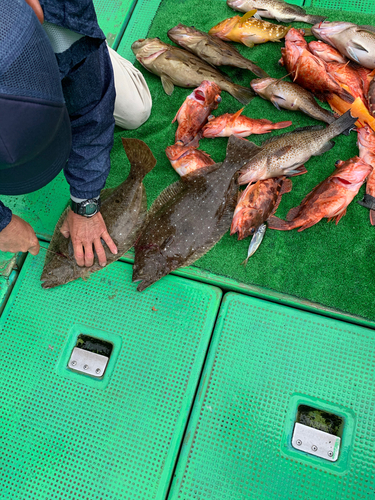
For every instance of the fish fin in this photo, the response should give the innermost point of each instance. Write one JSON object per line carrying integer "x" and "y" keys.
{"x": 167, "y": 84}
{"x": 240, "y": 151}
{"x": 139, "y": 155}
{"x": 243, "y": 94}
{"x": 366, "y": 27}
{"x": 257, "y": 70}
{"x": 236, "y": 115}
{"x": 248, "y": 43}
{"x": 344, "y": 123}
{"x": 279, "y": 224}
{"x": 294, "y": 172}
{"x": 179, "y": 109}
{"x": 340, "y": 215}
{"x": 352, "y": 54}
{"x": 142, "y": 220}
{"x": 293, "y": 213}
{"x": 372, "y": 217}
{"x": 307, "y": 32}
{"x": 168, "y": 194}
{"x": 358, "y": 46}
{"x": 247, "y": 16}
{"x": 310, "y": 128}
{"x": 286, "y": 187}
{"x": 310, "y": 224}
{"x": 201, "y": 172}
{"x": 315, "y": 19}
{"x": 296, "y": 130}
{"x": 326, "y": 147}
{"x": 275, "y": 103}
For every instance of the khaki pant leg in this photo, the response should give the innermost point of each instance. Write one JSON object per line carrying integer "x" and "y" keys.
{"x": 133, "y": 99}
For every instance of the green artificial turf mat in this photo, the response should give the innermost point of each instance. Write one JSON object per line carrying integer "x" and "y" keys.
{"x": 328, "y": 264}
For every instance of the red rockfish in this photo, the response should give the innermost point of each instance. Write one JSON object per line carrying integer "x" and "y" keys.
{"x": 187, "y": 159}
{"x": 193, "y": 113}
{"x": 329, "y": 199}
{"x": 237, "y": 124}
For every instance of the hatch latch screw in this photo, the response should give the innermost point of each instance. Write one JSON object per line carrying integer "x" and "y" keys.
{"x": 314, "y": 448}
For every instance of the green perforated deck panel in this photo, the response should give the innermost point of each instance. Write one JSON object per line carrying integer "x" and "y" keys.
{"x": 62, "y": 437}
{"x": 262, "y": 359}
{"x": 363, "y": 6}
{"x": 138, "y": 26}
{"x": 113, "y": 17}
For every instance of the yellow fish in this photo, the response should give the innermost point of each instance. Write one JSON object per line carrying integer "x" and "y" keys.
{"x": 249, "y": 30}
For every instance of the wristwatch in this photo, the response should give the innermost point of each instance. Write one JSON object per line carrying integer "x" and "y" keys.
{"x": 87, "y": 208}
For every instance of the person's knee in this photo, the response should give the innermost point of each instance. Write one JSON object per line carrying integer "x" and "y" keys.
{"x": 133, "y": 99}
{"x": 131, "y": 114}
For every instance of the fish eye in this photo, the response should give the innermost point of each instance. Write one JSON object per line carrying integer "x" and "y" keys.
{"x": 252, "y": 230}
{"x": 337, "y": 162}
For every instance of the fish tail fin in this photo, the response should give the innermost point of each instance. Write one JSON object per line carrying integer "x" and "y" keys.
{"x": 345, "y": 123}
{"x": 141, "y": 159}
{"x": 257, "y": 70}
{"x": 372, "y": 217}
{"x": 278, "y": 125}
{"x": 242, "y": 94}
{"x": 274, "y": 222}
{"x": 345, "y": 95}
{"x": 315, "y": 19}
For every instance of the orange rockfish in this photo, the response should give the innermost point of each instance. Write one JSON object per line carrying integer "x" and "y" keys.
{"x": 187, "y": 159}
{"x": 236, "y": 124}
{"x": 248, "y": 30}
{"x": 193, "y": 114}
{"x": 308, "y": 70}
{"x": 329, "y": 199}
{"x": 257, "y": 202}
{"x": 366, "y": 145}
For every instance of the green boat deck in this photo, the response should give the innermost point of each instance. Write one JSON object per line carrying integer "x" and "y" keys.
{"x": 206, "y": 375}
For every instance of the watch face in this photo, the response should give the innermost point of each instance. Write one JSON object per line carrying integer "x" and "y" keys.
{"x": 90, "y": 208}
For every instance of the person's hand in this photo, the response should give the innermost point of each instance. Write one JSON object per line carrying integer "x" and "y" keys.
{"x": 19, "y": 236}
{"x": 35, "y": 5}
{"x": 86, "y": 232}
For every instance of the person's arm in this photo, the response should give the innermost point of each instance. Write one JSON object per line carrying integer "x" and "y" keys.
{"x": 90, "y": 95}
{"x": 16, "y": 235}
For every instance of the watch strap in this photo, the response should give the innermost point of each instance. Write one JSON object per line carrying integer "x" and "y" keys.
{"x": 80, "y": 207}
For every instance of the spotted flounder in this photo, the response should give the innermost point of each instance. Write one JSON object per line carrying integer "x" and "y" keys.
{"x": 189, "y": 217}
{"x": 124, "y": 211}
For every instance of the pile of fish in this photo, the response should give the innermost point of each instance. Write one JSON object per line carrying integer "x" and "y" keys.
{"x": 190, "y": 216}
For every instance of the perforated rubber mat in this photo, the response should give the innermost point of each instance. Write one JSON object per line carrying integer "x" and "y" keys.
{"x": 63, "y": 438}
{"x": 363, "y": 6}
{"x": 138, "y": 26}
{"x": 113, "y": 16}
{"x": 262, "y": 357}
